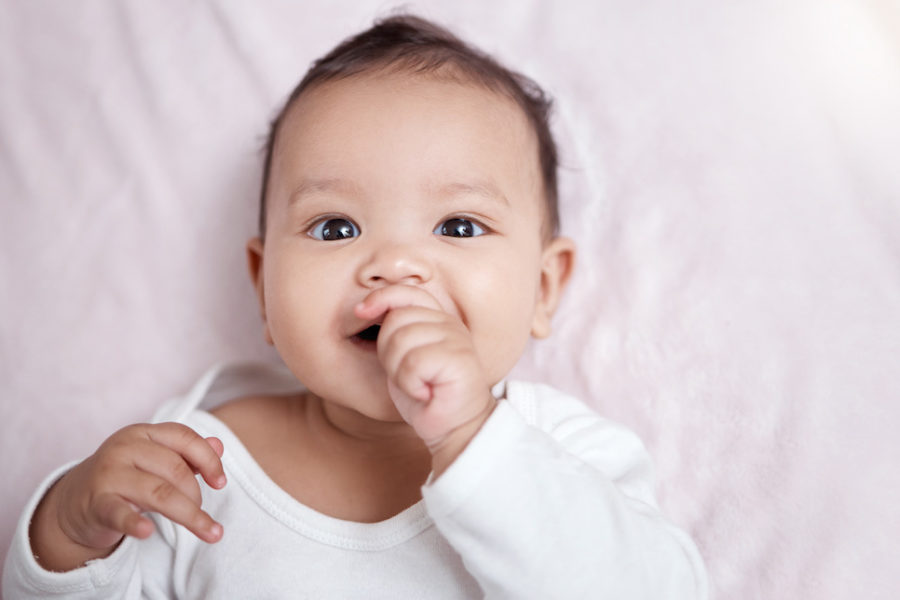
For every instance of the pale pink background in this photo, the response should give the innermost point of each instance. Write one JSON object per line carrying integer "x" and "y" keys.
{"x": 730, "y": 174}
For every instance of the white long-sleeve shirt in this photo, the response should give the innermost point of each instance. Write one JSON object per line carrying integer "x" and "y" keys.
{"x": 548, "y": 501}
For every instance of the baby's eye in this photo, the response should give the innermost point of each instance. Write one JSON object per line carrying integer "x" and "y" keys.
{"x": 459, "y": 227}
{"x": 335, "y": 228}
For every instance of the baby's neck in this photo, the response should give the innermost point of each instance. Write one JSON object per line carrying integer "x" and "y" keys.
{"x": 332, "y": 459}
{"x": 349, "y": 427}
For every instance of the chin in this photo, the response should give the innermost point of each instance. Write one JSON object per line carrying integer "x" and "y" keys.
{"x": 375, "y": 404}
{"x": 380, "y": 409}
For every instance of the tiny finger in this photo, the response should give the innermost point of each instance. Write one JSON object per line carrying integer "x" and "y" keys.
{"x": 396, "y": 342}
{"x": 167, "y": 464}
{"x": 392, "y": 297}
{"x": 123, "y": 517}
{"x": 217, "y": 445}
{"x": 415, "y": 372}
{"x": 199, "y": 453}
{"x": 160, "y": 496}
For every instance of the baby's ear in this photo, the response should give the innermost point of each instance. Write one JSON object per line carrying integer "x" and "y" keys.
{"x": 255, "y": 254}
{"x": 557, "y": 264}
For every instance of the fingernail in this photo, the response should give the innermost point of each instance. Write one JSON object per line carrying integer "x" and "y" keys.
{"x": 215, "y": 531}
{"x": 221, "y": 481}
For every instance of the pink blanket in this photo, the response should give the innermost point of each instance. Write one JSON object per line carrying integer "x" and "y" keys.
{"x": 730, "y": 177}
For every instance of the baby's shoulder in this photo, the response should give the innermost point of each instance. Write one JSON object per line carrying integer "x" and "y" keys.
{"x": 259, "y": 421}
{"x": 247, "y": 408}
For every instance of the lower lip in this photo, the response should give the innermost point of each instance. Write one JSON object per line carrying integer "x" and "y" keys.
{"x": 364, "y": 344}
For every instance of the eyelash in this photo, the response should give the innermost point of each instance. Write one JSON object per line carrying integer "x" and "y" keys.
{"x": 319, "y": 229}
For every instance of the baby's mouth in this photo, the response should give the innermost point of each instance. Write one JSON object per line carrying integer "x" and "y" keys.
{"x": 369, "y": 334}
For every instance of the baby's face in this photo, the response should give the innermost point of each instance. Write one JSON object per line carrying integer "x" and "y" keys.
{"x": 400, "y": 180}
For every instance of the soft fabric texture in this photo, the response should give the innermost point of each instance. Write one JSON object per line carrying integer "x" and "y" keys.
{"x": 728, "y": 173}
{"x": 547, "y": 501}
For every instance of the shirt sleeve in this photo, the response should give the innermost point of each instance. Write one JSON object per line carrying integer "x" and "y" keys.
{"x": 116, "y": 576}
{"x": 562, "y": 510}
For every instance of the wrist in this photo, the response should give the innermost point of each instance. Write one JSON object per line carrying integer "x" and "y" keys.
{"x": 449, "y": 447}
{"x": 51, "y": 547}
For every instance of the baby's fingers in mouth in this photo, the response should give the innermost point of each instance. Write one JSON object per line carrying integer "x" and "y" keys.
{"x": 391, "y": 297}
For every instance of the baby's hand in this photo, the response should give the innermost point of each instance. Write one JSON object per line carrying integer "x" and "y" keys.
{"x": 434, "y": 375}
{"x": 139, "y": 468}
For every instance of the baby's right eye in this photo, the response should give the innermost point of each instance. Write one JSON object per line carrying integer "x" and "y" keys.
{"x": 333, "y": 229}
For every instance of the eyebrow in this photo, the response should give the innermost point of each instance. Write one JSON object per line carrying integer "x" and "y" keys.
{"x": 485, "y": 189}
{"x": 315, "y": 186}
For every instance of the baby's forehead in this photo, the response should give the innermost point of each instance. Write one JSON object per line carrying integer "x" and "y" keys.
{"x": 405, "y": 82}
{"x": 436, "y": 113}
{"x": 428, "y": 110}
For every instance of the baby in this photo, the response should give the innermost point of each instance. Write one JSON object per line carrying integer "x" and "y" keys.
{"x": 408, "y": 250}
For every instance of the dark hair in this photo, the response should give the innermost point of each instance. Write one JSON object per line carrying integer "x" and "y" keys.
{"x": 406, "y": 43}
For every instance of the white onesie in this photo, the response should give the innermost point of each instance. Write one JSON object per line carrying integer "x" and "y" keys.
{"x": 549, "y": 500}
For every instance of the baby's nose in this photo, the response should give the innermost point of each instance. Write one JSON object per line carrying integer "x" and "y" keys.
{"x": 395, "y": 263}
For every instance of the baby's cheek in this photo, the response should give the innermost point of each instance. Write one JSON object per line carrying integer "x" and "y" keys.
{"x": 500, "y": 345}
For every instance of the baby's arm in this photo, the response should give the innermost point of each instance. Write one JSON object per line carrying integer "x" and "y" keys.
{"x": 561, "y": 507}
{"x": 551, "y": 501}
{"x": 88, "y": 511}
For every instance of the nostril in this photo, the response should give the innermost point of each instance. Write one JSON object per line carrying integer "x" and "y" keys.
{"x": 392, "y": 278}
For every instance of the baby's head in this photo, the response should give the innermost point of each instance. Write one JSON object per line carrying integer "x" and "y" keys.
{"x": 411, "y": 46}
{"x": 406, "y": 158}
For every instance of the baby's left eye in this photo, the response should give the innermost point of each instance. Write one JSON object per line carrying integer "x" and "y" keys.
{"x": 459, "y": 227}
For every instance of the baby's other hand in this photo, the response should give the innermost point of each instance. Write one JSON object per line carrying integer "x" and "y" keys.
{"x": 434, "y": 375}
{"x": 139, "y": 468}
